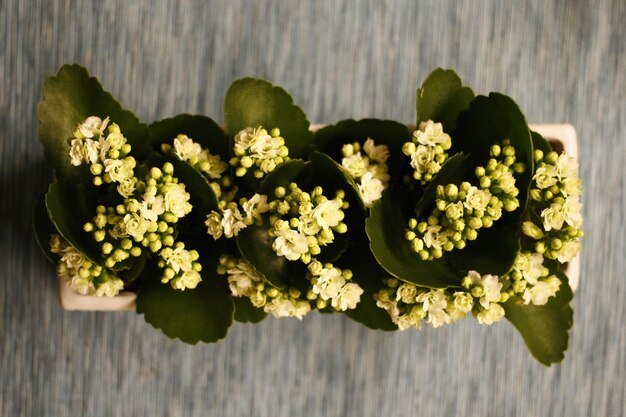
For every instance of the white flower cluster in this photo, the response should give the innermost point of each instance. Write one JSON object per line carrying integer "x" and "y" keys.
{"x": 331, "y": 284}
{"x": 369, "y": 170}
{"x": 106, "y": 154}
{"x": 255, "y": 147}
{"x": 460, "y": 212}
{"x": 304, "y": 222}
{"x": 555, "y": 194}
{"x": 180, "y": 266}
{"x": 531, "y": 279}
{"x": 408, "y": 305}
{"x": 232, "y": 220}
{"x": 244, "y": 281}
{"x": 189, "y": 151}
{"x": 427, "y": 150}
{"x": 82, "y": 275}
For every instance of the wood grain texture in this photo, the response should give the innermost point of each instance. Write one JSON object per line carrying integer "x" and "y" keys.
{"x": 560, "y": 60}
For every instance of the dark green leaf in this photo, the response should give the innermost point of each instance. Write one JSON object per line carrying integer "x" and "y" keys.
{"x": 386, "y": 228}
{"x": 539, "y": 142}
{"x": 201, "y": 314}
{"x": 199, "y": 128}
{"x": 69, "y": 98}
{"x": 441, "y": 98}
{"x": 43, "y": 228}
{"x": 136, "y": 268}
{"x": 282, "y": 176}
{"x": 369, "y": 275}
{"x": 545, "y": 329}
{"x": 251, "y": 103}
{"x": 69, "y": 209}
{"x": 331, "y": 139}
{"x": 245, "y": 312}
{"x": 452, "y": 172}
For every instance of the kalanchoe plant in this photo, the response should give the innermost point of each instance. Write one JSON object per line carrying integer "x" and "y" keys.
{"x": 470, "y": 213}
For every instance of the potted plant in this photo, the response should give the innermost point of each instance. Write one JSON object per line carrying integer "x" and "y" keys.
{"x": 469, "y": 213}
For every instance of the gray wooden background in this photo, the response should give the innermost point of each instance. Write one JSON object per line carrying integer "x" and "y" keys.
{"x": 562, "y": 61}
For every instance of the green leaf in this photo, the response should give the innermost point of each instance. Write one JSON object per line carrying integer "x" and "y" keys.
{"x": 43, "y": 228}
{"x": 69, "y": 208}
{"x": 255, "y": 244}
{"x": 452, "y": 172}
{"x": 545, "y": 329}
{"x": 539, "y": 142}
{"x": 369, "y": 275}
{"x": 69, "y": 98}
{"x": 441, "y": 98}
{"x": 245, "y": 312}
{"x": 203, "y": 314}
{"x": 331, "y": 139}
{"x": 251, "y": 103}
{"x": 199, "y": 128}
{"x": 136, "y": 268}
{"x": 386, "y": 228}
{"x": 282, "y": 176}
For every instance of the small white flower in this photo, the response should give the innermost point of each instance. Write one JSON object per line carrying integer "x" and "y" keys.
{"x": 568, "y": 251}
{"x": 477, "y": 199}
{"x": 76, "y": 152}
{"x": 290, "y": 244}
{"x": 545, "y": 176}
{"x": 530, "y": 265}
{"x": 506, "y": 183}
{"x": 494, "y": 313}
{"x": 431, "y": 134}
{"x": 491, "y": 287}
{"x": 328, "y": 214}
{"x": 215, "y": 165}
{"x": 329, "y": 283}
{"x": 179, "y": 259}
{"x": 110, "y": 288}
{"x": 214, "y": 225}
{"x": 152, "y": 206}
{"x": 188, "y": 279}
{"x": 572, "y": 212}
{"x": 119, "y": 169}
{"x": 72, "y": 258}
{"x": 177, "y": 200}
{"x": 185, "y": 148}
{"x": 553, "y": 217}
{"x": 348, "y": 297}
{"x": 370, "y": 188}
{"x": 90, "y": 127}
{"x": 407, "y": 293}
{"x": 115, "y": 139}
{"x": 423, "y": 160}
{"x": 571, "y": 187}
{"x": 355, "y": 164}
{"x": 434, "y": 302}
{"x": 256, "y": 206}
{"x": 454, "y": 211}
{"x": 83, "y": 286}
{"x": 284, "y": 307}
{"x": 134, "y": 225}
{"x": 127, "y": 187}
{"x": 463, "y": 301}
{"x": 566, "y": 167}
{"x": 92, "y": 151}
{"x": 378, "y": 153}
{"x": 434, "y": 237}
{"x": 232, "y": 222}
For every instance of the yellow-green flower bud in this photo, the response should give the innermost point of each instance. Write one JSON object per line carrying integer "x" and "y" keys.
{"x": 97, "y": 181}
{"x": 99, "y": 235}
{"x": 88, "y": 227}
{"x": 96, "y": 169}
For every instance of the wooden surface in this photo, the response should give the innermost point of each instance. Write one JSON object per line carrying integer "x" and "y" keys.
{"x": 562, "y": 61}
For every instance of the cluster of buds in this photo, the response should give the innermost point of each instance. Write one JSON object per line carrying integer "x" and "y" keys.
{"x": 530, "y": 280}
{"x": 408, "y": 305}
{"x": 330, "y": 286}
{"x": 234, "y": 217}
{"x": 461, "y": 211}
{"x": 258, "y": 150}
{"x": 554, "y": 207}
{"x": 370, "y": 171}
{"x": 82, "y": 275}
{"x": 302, "y": 222}
{"x": 180, "y": 266}
{"x": 244, "y": 281}
{"x": 211, "y": 166}
{"x": 427, "y": 150}
{"x": 106, "y": 155}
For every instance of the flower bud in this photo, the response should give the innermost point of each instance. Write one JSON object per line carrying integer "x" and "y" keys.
{"x": 531, "y": 230}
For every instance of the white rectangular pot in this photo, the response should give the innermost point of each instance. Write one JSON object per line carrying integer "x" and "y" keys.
{"x": 558, "y": 134}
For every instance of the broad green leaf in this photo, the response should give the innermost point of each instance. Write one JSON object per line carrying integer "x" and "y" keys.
{"x": 203, "y": 314}
{"x": 539, "y": 142}
{"x": 136, "y": 268}
{"x": 282, "y": 176}
{"x": 386, "y": 228}
{"x": 245, "y": 312}
{"x": 199, "y": 128}
{"x": 452, "y": 172}
{"x": 69, "y": 208}
{"x": 255, "y": 244}
{"x": 69, "y": 98}
{"x": 441, "y": 98}
{"x": 331, "y": 139}
{"x": 488, "y": 121}
{"x": 369, "y": 275}
{"x": 545, "y": 329}
{"x": 43, "y": 228}
{"x": 251, "y": 103}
